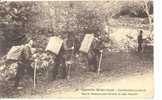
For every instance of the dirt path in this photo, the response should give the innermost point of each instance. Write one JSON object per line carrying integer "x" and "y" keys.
{"x": 130, "y": 86}
{"x": 129, "y": 71}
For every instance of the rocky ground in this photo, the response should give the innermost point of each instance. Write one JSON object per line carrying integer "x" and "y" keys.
{"x": 119, "y": 70}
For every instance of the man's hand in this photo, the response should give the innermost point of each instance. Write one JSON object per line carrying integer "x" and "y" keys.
{"x": 101, "y": 51}
{"x": 72, "y": 48}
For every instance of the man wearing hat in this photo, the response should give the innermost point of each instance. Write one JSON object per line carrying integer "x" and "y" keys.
{"x": 24, "y": 63}
{"x": 94, "y": 53}
{"x": 140, "y": 41}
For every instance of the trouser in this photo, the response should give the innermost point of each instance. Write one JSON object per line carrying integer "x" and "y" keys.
{"x": 59, "y": 70}
{"x": 93, "y": 63}
{"x": 76, "y": 51}
{"x": 52, "y": 72}
{"x": 139, "y": 47}
{"x": 22, "y": 66}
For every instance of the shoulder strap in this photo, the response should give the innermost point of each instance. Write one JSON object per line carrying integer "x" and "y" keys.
{"x": 26, "y": 52}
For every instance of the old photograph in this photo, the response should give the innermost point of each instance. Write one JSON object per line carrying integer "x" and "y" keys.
{"x": 77, "y": 49}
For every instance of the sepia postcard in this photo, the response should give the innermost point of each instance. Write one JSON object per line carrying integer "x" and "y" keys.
{"x": 77, "y": 49}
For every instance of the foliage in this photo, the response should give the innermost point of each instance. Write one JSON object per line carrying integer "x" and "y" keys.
{"x": 14, "y": 20}
{"x": 40, "y": 20}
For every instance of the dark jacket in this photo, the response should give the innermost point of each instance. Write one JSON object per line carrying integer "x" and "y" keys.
{"x": 26, "y": 54}
{"x": 140, "y": 39}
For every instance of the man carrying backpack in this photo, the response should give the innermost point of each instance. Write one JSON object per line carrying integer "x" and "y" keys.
{"x": 24, "y": 63}
{"x": 140, "y": 41}
{"x": 95, "y": 52}
{"x": 63, "y": 59}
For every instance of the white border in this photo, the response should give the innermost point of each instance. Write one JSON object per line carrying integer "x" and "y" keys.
{"x": 157, "y": 49}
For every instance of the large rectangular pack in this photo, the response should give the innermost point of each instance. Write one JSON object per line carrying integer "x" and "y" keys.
{"x": 15, "y": 53}
{"x": 86, "y": 43}
{"x": 54, "y": 45}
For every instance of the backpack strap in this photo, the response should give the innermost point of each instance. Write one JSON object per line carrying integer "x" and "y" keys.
{"x": 26, "y": 53}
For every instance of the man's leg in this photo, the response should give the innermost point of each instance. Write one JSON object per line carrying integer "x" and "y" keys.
{"x": 55, "y": 70}
{"x": 19, "y": 74}
{"x": 64, "y": 67}
{"x": 61, "y": 68}
{"x": 92, "y": 64}
{"x": 139, "y": 47}
{"x": 95, "y": 64}
{"x": 29, "y": 69}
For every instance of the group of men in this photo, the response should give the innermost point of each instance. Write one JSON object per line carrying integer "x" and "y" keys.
{"x": 69, "y": 49}
{"x": 59, "y": 68}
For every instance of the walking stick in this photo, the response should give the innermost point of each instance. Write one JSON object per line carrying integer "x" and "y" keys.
{"x": 99, "y": 65}
{"x": 69, "y": 71}
{"x": 35, "y": 72}
{"x": 69, "y": 65}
